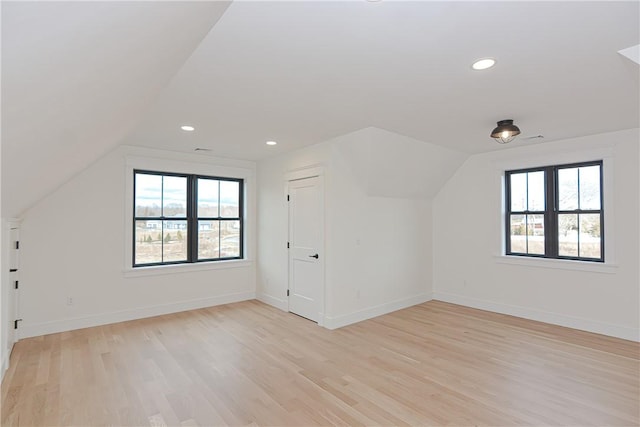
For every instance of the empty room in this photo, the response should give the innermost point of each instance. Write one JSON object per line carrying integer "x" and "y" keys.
{"x": 314, "y": 213}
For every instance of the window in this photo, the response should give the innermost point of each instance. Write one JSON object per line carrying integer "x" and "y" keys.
{"x": 180, "y": 218}
{"x": 555, "y": 212}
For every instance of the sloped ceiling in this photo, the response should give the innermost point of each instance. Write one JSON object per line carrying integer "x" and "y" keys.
{"x": 385, "y": 164}
{"x": 79, "y": 78}
{"x": 76, "y": 77}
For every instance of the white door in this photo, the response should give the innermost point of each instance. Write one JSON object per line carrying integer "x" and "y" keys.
{"x": 306, "y": 244}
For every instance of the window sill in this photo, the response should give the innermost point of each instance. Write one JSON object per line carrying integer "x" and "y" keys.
{"x": 562, "y": 264}
{"x": 186, "y": 268}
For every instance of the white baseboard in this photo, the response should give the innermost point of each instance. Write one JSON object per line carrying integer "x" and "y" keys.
{"x": 336, "y": 322}
{"x": 595, "y": 326}
{"x": 5, "y": 365}
{"x": 273, "y": 301}
{"x": 44, "y": 328}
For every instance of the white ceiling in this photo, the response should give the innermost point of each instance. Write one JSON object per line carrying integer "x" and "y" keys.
{"x": 81, "y": 78}
{"x": 77, "y": 77}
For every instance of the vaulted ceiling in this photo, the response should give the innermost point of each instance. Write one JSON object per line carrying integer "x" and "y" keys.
{"x": 79, "y": 78}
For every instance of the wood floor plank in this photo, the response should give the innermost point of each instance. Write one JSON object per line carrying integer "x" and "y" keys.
{"x": 251, "y": 364}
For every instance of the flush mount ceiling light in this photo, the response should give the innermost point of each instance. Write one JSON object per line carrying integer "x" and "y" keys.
{"x": 483, "y": 64}
{"x": 271, "y": 143}
{"x": 187, "y": 128}
{"x": 505, "y": 132}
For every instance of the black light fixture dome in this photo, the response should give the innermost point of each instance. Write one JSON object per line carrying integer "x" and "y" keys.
{"x": 505, "y": 132}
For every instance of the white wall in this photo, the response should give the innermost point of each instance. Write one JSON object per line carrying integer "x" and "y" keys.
{"x": 73, "y": 244}
{"x": 468, "y": 235}
{"x": 4, "y": 290}
{"x": 382, "y": 252}
{"x": 378, "y": 249}
{"x": 4, "y": 320}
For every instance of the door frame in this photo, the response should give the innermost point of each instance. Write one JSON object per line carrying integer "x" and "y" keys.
{"x": 14, "y": 300}
{"x": 10, "y": 299}
{"x": 313, "y": 171}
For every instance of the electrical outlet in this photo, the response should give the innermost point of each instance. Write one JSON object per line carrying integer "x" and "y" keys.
{"x": 69, "y": 300}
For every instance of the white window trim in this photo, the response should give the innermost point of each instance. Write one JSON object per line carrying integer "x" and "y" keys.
{"x": 609, "y": 265}
{"x": 155, "y": 270}
{"x": 560, "y": 264}
{"x": 186, "y": 167}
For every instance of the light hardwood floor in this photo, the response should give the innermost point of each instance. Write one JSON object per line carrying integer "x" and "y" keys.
{"x": 248, "y": 363}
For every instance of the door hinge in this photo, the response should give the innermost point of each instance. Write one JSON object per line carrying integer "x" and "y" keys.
{"x": 287, "y": 292}
{"x": 16, "y": 287}
{"x": 17, "y": 244}
{"x": 287, "y": 245}
{"x": 15, "y": 323}
{"x": 288, "y": 198}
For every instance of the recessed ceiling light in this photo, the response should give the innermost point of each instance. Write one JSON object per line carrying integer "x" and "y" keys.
{"x": 483, "y": 64}
{"x": 271, "y": 143}
{"x": 187, "y": 128}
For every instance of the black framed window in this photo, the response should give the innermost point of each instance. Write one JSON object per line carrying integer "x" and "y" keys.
{"x": 183, "y": 218}
{"x": 555, "y": 212}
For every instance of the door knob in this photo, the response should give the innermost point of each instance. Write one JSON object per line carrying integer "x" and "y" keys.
{"x": 314, "y": 256}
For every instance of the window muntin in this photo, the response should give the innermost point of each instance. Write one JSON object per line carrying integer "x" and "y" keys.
{"x": 180, "y": 218}
{"x": 555, "y": 212}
